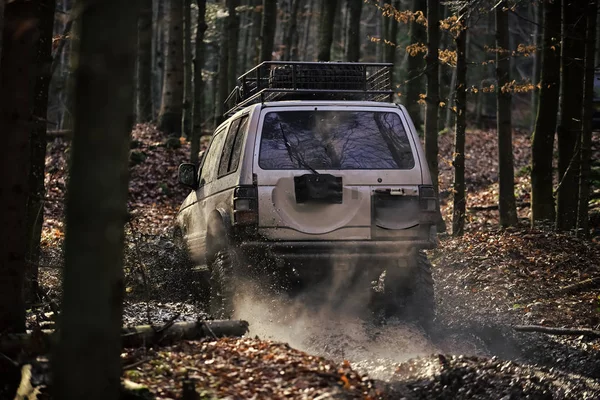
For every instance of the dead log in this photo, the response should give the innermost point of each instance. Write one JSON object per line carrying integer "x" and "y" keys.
{"x": 491, "y": 207}
{"x": 579, "y": 286}
{"x": 40, "y": 341}
{"x": 557, "y": 331}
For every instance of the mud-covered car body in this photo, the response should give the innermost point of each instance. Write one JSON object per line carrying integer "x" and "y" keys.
{"x": 302, "y": 180}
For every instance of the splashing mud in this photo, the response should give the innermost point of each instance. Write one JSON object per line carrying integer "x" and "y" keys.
{"x": 371, "y": 348}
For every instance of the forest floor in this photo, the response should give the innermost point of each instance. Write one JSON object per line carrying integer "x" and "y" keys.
{"x": 487, "y": 282}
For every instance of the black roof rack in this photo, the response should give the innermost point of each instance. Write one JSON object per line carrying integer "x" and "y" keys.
{"x": 297, "y": 80}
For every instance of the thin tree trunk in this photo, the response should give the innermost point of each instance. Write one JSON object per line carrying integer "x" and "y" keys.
{"x": 458, "y": 217}
{"x": 414, "y": 86}
{"x": 1, "y": 28}
{"x": 256, "y": 29}
{"x": 223, "y": 74}
{"x": 542, "y": 144}
{"x": 198, "y": 82}
{"x": 506, "y": 174}
{"x": 17, "y": 81}
{"x": 353, "y": 47}
{"x": 569, "y": 128}
{"x": 267, "y": 31}
{"x": 588, "y": 111}
{"x": 144, "y": 64}
{"x": 307, "y": 26}
{"x": 171, "y": 108}
{"x": 233, "y": 33}
{"x": 292, "y": 31}
{"x": 87, "y": 362}
{"x": 35, "y": 202}
{"x": 187, "y": 68}
{"x": 326, "y": 24}
{"x": 391, "y": 49}
{"x": 433, "y": 97}
{"x": 538, "y": 8}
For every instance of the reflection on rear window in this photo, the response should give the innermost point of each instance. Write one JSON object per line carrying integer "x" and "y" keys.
{"x": 334, "y": 140}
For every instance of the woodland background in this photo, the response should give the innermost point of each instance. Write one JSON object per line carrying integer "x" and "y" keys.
{"x": 502, "y": 93}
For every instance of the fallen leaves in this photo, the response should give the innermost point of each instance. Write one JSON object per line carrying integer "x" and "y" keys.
{"x": 249, "y": 369}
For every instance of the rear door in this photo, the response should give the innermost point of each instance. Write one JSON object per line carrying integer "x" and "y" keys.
{"x": 369, "y": 149}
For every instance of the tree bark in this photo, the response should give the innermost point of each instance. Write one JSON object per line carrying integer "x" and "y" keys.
{"x": 588, "y": 111}
{"x": 1, "y": 28}
{"x": 414, "y": 86}
{"x": 171, "y": 108}
{"x": 542, "y": 144}
{"x": 292, "y": 32}
{"x": 223, "y": 73}
{"x": 538, "y": 11}
{"x": 391, "y": 49}
{"x": 506, "y": 174}
{"x": 35, "y": 203}
{"x": 571, "y": 103}
{"x": 198, "y": 82}
{"x": 187, "y": 68}
{"x": 233, "y": 33}
{"x": 353, "y": 46}
{"x": 267, "y": 31}
{"x": 17, "y": 81}
{"x": 41, "y": 342}
{"x": 144, "y": 64}
{"x": 326, "y": 24}
{"x": 255, "y": 31}
{"x": 458, "y": 217}
{"x": 87, "y": 364}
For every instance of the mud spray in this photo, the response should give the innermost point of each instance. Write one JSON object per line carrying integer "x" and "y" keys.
{"x": 339, "y": 328}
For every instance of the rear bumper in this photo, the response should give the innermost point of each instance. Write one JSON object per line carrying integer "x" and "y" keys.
{"x": 381, "y": 249}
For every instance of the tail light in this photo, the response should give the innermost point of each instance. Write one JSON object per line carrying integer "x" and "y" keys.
{"x": 427, "y": 199}
{"x": 245, "y": 205}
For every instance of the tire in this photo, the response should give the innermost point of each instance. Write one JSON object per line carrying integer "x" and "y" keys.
{"x": 411, "y": 299}
{"x": 222, "y": 283}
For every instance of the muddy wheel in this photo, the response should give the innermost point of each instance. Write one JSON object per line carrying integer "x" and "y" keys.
{"x": 222, "y": 285}
{"x": 411, "y": 297}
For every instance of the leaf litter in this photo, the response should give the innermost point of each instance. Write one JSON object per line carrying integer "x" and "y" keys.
{"x": 490, "y": 277}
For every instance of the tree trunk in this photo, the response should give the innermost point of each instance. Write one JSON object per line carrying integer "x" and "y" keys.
{"x": 542, "y": 144}
{"x": 292, "y": 31}
{"x": 588, "y": 111}
{"x": 233, "y": 33}
{"x": 87, "y": 362}
{"x": 571, "y": 103}
{"x": 144, "y": 64}
{"x": 326, "y": 23}
{"x": 267, "y": 31}
{"x": 136, "y": 336}
{"x": 458, "y": 217}
{"x": 223, "y": 74}
{"x": 414, "y": 86}
{"x": 17, "y": 81}
{"x": 353, "y": 46}
{"x": 198, "y": 82}
{"x": 390, "y": 49}
{"x": 506, "y": 174}
{"x": 1, "y": 28}
{"x": 256, "y": 28}
{"x": 311, "y": 7}
{"x": 35, "y": 202}
{"x": 433, "y": 97}
{"x": 187, "y": 68}
{"x": 538, "y": 10}
{"x": 171, "y": 108}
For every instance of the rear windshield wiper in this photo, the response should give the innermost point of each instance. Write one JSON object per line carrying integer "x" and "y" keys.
{"x": 294, "y": 154}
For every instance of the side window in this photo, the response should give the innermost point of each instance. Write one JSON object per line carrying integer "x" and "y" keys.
{"x": 232, "y": 151}
{"x": 209, "y": 166}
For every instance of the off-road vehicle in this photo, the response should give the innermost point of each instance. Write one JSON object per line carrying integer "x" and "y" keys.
{"x": 315, "y": 172}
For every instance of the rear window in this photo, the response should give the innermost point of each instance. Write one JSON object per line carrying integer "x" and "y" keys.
{"x": 334, "y": 140}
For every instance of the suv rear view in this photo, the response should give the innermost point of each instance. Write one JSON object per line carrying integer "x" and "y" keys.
{"x": 315, "y": 173}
